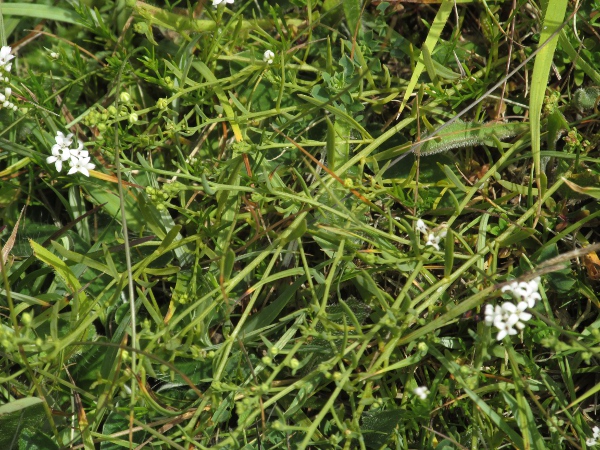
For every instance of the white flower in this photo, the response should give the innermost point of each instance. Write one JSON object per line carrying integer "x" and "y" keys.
{"x": 4, "y": 99}
{"x": 422, "y": 392}
{"x": 79, "y": 159}
{"x": 422, "y": 227}
{"x": 596, "y": 431}
{"x": 268, "y": 57}
{"x": 506, "y": 318}
{"x": 81, "y": 165}
{"x": 590, "y": 442}
{"x": 505, "y": 330}
{"x": 218, "y": 2}
{"x": 491, "y": 313}
{"x": 510, "y": 287}
{"x": 58, "y": 156}
{"x": 62, "y": 141}
{"x": 526, "y": 291}
{"x": 5, "y": 57}
{"x": 79, "y": 152}
{"x": 516, "y": 315}
{"x": 433, "y": 236}
{"x": 433, "y": 240}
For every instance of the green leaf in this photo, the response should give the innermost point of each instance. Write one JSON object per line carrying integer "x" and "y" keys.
{"x": 18, "y": 415}
{"x": 432, "y": 38}
{"x": 352, "y": 11}
{"x": 267, "y": 315}
{"x": 578, "y": 58}
{"x": 34, "y": 439}
{"x": 553, "y": 18}
{"x": 62, "y": 270}
{"x": 118, "y": 421}
{"x": 81, "y": 259}
{"x": 377, "y": 426}
{"x": 556, "y": 125}
{"x": 517, "y": 236}
{"x": 135, "y": 220}
{"x": 466, "y": 134}
{"x": 39, "y": 11}
{"x": 591, "y": 191}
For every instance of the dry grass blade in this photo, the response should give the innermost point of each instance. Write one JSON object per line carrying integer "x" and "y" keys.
{"x": 12, "y": 239}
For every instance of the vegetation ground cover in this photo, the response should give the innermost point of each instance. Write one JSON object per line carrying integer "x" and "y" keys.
{"x": 299, "y": 224}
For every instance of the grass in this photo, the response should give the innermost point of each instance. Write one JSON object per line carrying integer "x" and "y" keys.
{"x": 244, "y": 267}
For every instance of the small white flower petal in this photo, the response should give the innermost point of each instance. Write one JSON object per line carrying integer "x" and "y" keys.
{"x": 509, "y": 307}
{"x": 533, "y": 298}
{"x": 512, "y": 320}
{"x": 422, "y": 392}
{"x": 499, "y": 322}
{"x": 522, "y": 306}
{"x": 269, "y": 57}
{"x": 422, "y": 227}
{"x": 525, "y": 316}
{"x": 433, "y": 241}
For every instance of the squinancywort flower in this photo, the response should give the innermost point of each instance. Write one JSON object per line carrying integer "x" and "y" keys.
{"x": 526, "y": 291}
{"x": 62, "y": 141}
{"x": 5, "y": 57}
{"x": 269, "y": 57}
{"x": 58, "y": 156}
{"x": 81, "y": 165}
{"x": 422, "y": 227}
{"x": 593, "y": 440}
{"x": 218, "y": 2}
{"x": 433, "y": 236}
{"x": 4, "y": 100}
{"x": 506, "y": 318}
{"x": 60, "y": 150}
{"x": 78, "y": 158}
{"x": 509, "y": 316}
{"x": 422, "y": 392}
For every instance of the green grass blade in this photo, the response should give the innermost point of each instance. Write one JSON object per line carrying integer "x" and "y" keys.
{"x": 432, "y": 38}
{"x": 553, "y": 19}
{"x": 39, "y": 12}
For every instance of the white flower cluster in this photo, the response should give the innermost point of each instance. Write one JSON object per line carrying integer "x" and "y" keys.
{"x": 218, "y": 2}
{"x": 508, "y": 317}
{"x": 78, "y": 158}
{"x": 269, "y": 57}
{"x": 593, "y": 440}
{"x": 5, "y": 66}
{"x": 422, "y": 392}
{"x": 433, "y": 236}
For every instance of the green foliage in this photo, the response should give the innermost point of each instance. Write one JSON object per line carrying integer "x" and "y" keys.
{"x": 240, "y": 269}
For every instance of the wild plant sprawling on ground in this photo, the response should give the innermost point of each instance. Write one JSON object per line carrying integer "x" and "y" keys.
{"x": 299, "y": 224}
